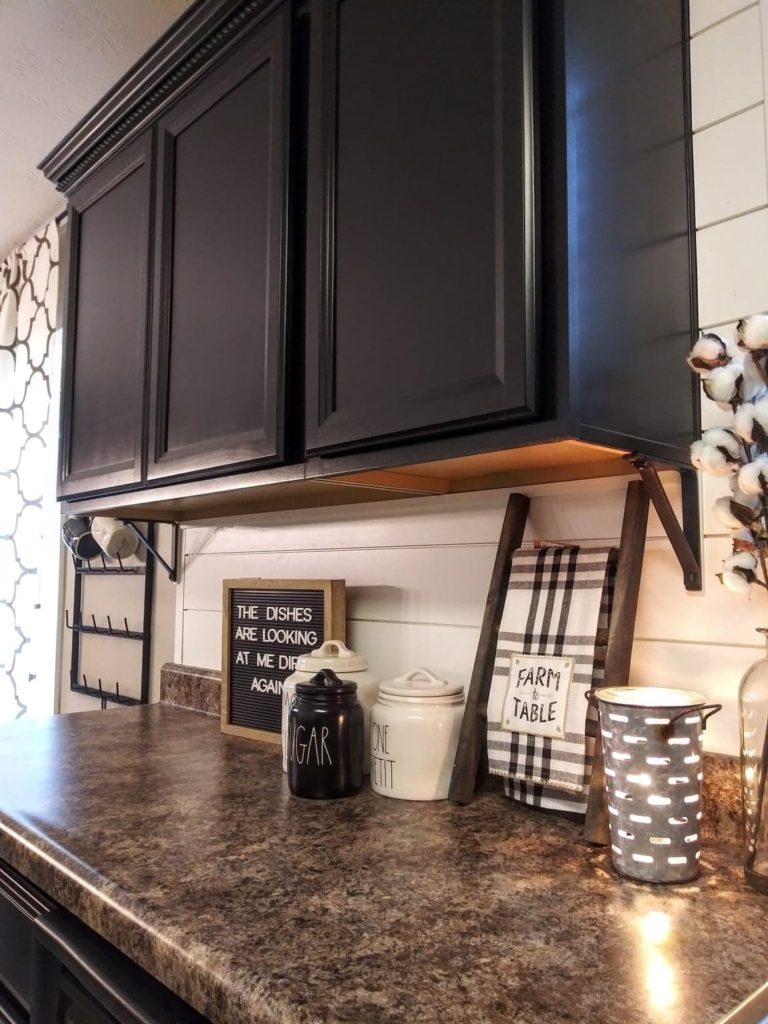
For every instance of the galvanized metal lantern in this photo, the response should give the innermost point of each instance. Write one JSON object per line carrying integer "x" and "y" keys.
{"x": 652, "y": 748}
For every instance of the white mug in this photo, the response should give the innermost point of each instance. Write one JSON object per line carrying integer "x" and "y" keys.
{"x": 114, "y": 538}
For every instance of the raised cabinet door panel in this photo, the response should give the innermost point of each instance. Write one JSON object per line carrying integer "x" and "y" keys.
{"x": 220, "y": 285}
{"x": 422, "y": 220}
{"x": 106, "y": 331}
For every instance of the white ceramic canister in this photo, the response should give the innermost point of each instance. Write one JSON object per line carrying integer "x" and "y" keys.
{"x": 414, "y": 734}
{"x": 347, "y": 664}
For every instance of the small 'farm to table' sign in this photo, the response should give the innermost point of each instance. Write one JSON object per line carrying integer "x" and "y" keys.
{"x": 537, "y": 698}
{"x": 267, "y": 624}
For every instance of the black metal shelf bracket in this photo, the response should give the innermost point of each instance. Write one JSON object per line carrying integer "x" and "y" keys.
{"x": 172, "y": 570}
{"x": 686, "y": 538}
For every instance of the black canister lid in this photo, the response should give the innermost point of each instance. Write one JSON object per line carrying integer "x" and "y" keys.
{"x": 326, "y": 682}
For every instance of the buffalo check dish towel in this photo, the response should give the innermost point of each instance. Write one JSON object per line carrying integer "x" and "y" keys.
{"x": 550, "y": 652}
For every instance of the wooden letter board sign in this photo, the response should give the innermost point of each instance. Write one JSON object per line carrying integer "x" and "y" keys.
{"x": 267, "y": 625}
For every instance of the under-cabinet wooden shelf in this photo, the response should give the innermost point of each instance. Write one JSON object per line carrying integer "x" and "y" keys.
{"x": 265, "y": 491}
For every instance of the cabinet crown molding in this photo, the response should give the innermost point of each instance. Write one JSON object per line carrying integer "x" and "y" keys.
{"x": 207, "y": 29}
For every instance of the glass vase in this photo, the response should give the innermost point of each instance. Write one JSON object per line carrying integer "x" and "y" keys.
{"x": 753, "y": 717}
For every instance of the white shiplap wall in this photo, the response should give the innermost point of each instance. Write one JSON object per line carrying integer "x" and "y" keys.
{"x": 418, "y": 570}
{"x": 417, "y": 575}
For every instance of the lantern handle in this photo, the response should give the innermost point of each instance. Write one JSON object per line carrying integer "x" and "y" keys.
{"x": 711, "y": 709}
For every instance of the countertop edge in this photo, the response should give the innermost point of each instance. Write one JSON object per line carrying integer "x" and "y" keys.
{"x": 111, "y": 912}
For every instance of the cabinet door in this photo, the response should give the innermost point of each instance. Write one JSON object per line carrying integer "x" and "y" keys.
{"x": 422, "y": 222}
{"x": 107, "y": 324}
{"x": 20, "y": 907}
{"x": 220, "y": 282}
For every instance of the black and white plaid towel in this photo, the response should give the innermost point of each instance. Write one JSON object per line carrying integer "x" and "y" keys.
{"x": 558, "y": 603}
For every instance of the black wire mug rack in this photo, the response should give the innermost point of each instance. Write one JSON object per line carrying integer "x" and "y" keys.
{"x": 109, "y": 630}
{"x": 102, "y": 566}
{"x": 105, "y": 696}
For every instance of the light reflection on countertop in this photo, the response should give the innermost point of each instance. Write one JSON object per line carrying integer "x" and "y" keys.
{"x": 184, "y": 848}
{"x": 660, "y": 982}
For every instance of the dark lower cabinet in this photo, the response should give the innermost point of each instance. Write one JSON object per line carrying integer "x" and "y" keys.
{"x": 217, "y": 391}
{"x": 55, "y": 970}
{"x": 80, "y": 979}
{"x": 107, "y": 320}
{"x": 20, "y": 907}
{"x": 422, "y": 219}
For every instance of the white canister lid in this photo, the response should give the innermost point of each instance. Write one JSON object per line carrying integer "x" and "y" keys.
{"x": 421, "y": 683}
{"x": 332, "y": 654}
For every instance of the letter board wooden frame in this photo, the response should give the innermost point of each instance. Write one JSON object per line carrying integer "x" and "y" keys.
{"x": 266, "y": 623}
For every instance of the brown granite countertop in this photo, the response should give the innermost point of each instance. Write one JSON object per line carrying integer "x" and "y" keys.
{"x": 184, "y": 848}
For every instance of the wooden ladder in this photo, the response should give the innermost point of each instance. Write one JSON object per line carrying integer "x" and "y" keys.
{"x": 472, "y": 748}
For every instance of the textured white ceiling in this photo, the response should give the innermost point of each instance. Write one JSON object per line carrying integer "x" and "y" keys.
{"x": 57, "y": 58}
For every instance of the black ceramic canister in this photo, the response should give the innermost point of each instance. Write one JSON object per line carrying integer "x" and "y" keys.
{"x": 325, "y": 738}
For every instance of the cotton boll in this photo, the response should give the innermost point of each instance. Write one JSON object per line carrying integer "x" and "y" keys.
{"x": 722, "y": 509}
{"x": 697, "y": 450}
{"x": 750, "y": 422}
{"x": 719, "y": 452}
{"x": 753, "y": 385}
{"x": 760, "y": 423}
{"x": 734, "y": 581}
{"x": 743, "y": 421}
{"x": 714, "y": 459}
{"x": 749, "y": 500}
{"x": 752, "y": 332}
{"x": 723, "y": 383}
{"x": 709, "y": 352}
{"x": 719, "y": 437}
{"x": 749, "y": 479}
{"x": 711, "y": 460}
{"x": 716, "y": 463}
{"x": 724, "y": 512}
{"x": 742, "y": 561}
{"x": 753, "y": 477}
{"x": 745, "y": 507}
{"x": 739, "y": 572}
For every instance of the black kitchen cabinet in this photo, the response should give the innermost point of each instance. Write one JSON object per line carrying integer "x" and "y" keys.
{"x": 206, "y": 224}
{"x": 422, "y": 219}
{"x": 107, "y": 316}
{"x": 394, "y": 247}
{"x": 21, "y": 905}
{"x": 219, "y": 324}
{"x": 499, "y": 228}
{"x": 55, "y": 970}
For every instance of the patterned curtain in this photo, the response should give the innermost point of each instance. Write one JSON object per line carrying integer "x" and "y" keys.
{"x": 28, "y": 292}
